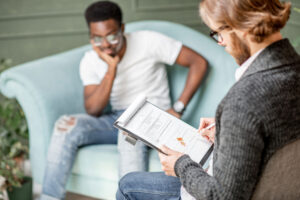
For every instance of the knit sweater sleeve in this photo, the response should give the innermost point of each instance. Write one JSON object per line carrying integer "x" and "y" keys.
{"x": 237, "y": 158}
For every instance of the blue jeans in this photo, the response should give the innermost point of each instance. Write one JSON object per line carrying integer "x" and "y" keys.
{"x": 71, "y": 133}
{"x": 132, "y": 158}
{"x": 148, "y": 185}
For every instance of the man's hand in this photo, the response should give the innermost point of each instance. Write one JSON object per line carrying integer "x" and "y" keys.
{"x": 168, "y": 161}
{"x": 210, "y": 133}
{"x": 172, "y": 112}
{"x": 112, "y": 62}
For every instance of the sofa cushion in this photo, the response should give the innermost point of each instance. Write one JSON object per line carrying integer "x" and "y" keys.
{"x": 100, "y": 161}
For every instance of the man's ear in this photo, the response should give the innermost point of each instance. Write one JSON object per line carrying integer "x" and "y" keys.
{"x": 240, "y": 34}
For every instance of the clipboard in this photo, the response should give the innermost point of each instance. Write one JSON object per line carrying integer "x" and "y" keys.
{"x": 144, "y": 121}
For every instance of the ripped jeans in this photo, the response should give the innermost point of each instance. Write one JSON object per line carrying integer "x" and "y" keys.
{"x": 71, "y": 133}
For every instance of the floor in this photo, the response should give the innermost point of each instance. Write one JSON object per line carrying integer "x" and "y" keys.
{"x": 73, "y": 196}
{"x": 69, "y": 196}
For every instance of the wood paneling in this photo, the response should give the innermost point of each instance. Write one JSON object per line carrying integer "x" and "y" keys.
{"x": 31, "y": 29}
{"x": 292, "y": 29}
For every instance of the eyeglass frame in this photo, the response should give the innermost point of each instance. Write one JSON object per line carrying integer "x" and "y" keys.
{"x": 117, "y": 34}
{"x": 213, "y": 34}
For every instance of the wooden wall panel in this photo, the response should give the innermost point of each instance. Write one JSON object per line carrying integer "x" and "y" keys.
{"x": 31, "y": 29}
{"x": 292, "y": 29}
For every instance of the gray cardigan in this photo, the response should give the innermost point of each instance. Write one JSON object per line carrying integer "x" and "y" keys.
{"x": 259, "y": 114}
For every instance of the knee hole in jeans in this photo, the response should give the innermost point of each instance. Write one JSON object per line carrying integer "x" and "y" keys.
{"x": 65, "y": 124}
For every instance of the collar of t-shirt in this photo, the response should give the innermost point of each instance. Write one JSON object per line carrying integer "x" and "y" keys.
{"x": 242, "y": 69}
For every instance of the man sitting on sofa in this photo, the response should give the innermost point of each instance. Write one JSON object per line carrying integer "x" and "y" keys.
{"x": 118, "y": 69}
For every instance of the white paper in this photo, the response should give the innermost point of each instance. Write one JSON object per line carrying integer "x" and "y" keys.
{"x": 132, "y": 109}
{"x": 159, "y": 127}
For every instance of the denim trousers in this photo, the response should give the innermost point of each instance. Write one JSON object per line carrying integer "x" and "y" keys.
{"x": 148, "y": 185}
{"x": 132, "y": 158}
{"x": 75, "y": 131}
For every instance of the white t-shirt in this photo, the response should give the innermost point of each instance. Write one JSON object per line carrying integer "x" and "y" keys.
{"x": 141, "y": 70}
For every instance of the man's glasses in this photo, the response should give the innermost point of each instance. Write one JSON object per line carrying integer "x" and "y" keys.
{"x": 216, "y": 34}
{"x": 111, "y": 39}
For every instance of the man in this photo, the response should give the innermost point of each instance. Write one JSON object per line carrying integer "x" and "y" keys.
{"x": 259, "y": 115}
{"x": 118, "y": 69}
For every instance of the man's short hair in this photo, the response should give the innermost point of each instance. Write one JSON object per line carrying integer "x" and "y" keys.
{"x": 103, "y": 10}
{"x": 260, "y": 18}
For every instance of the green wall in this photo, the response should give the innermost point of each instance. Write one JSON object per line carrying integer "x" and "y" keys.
{"x": 33, "y": 29}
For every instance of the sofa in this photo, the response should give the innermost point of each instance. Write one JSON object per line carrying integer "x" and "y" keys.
{"x": 50, "y": 87}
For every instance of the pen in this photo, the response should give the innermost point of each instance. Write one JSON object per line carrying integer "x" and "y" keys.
{"x": 208, "y": 127}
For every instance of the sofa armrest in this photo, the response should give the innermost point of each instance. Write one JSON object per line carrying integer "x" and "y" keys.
{"x": 37, "y": 86}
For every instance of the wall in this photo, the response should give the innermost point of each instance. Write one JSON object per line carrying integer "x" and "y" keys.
{"x": 31, "y": 29}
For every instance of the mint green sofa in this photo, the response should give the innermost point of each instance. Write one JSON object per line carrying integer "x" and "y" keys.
{"x": 50, "y": 87}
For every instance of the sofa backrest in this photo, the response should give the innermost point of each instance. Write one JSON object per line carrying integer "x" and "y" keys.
{"x": 220, "y": 75}
{"x": 219, "y": 78}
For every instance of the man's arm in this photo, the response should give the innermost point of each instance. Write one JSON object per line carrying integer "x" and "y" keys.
{"x": 96, "y": 97}
{"x": 197, "y": 67}
{"x": 237, "y": 163}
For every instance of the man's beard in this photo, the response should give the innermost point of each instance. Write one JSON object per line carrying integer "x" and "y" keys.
{"x": 239, "y": 50}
